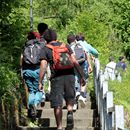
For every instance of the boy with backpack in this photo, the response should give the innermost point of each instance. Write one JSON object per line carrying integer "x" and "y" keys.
{"x": 83, "y": 59}
{"x": 62, "y": 62}
{"x": 91, "y": 51}
{"x": 30, "y": 64}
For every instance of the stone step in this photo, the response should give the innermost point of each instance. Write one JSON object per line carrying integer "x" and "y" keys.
{"x": 50, "y": 122}
{"x": 54, "y": 128}
{"x": 89, "y": 105}
{"x": 80, "y": 113}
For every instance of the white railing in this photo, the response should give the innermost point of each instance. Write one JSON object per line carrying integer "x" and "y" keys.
{"x": 111, "y": 116}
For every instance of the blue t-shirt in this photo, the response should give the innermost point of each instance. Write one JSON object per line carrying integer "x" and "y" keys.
{"x": 121, "y": 65}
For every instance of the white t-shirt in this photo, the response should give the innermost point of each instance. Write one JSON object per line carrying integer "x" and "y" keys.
{"x": 110, "y": 70}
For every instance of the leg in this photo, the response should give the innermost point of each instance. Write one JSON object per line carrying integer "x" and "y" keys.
{"x": 38, "y": 98}
{"x": 58, "y": 117}
{"x": 70, "y": 97}
{"x": 56, "y": 98}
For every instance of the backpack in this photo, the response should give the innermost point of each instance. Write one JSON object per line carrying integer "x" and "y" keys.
{"x": 61, "y": 57}
{"x": 79, "y": 53}
{"x": 31, "y": 51}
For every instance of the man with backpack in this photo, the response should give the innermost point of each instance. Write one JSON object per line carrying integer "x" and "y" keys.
{"x": 91, "y": 51}
{"x": 87, "y": 47}
{"x": 62, "y": 62}
{"x": 83, "y": 59}
{"x": 30, "y": 65}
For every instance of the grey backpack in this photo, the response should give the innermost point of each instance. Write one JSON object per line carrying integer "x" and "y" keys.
{"x": 31, "y": 51}
{"x": 79, "y": 53}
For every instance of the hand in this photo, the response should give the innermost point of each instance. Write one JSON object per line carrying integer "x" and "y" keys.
{"x": 90, "y": 69}
{"x": 40, "y": 87}
{"x": 83, "y": 81}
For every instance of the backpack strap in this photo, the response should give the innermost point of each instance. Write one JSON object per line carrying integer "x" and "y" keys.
{"x": 77, "y": 44}
{"x": 52, "y": 47}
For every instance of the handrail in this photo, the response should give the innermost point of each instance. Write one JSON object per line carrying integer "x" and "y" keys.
{"x": 111, "y": 116}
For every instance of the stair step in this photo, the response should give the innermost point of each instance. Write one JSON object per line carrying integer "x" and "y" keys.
{"x": 50, "y": 122}
{"x": 80, "y": 113}
{"x": 89, "y": 105}
{"x": 54, "y": 128}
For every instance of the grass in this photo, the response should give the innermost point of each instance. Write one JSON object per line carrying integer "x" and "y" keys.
{"x": 121, "y": 92}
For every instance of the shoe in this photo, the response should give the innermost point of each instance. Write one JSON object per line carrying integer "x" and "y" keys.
{"x": 77, "y": 94}
{"x": 42, "y": 104}
{"x": 75, "y": 107}
{"x": 82, "y": 101}
{"x": 32, "y": 112}
{"x": 70, "y": 120}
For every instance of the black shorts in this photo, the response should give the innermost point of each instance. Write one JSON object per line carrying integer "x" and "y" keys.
{"x": 62, "y": 87}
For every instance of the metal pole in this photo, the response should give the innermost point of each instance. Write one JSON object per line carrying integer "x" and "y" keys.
{"x": 31, "y": 15}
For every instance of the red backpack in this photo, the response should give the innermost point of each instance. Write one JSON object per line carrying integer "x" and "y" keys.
{"x": 61, "y": 57}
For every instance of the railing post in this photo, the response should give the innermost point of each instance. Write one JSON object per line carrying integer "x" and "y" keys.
{"x": 111, "y": 118}
{"x": 119, "y": 117}
{"x": 103, "y": 92}
{"x": 109, "y": 111}
{"x": 100, "y": 85}
{"x": 96, "y": 74}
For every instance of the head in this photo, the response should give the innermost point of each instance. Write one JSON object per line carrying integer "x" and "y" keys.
{"x": 80, "y": 37}
{"x": 71, "y": 38}
{"x": 42, "y": 27}
{"x": 121, "y": 58}
{"x": 111, "y": 59}
{"x": 50, "y": 35}
{"x": 33, "y": 35}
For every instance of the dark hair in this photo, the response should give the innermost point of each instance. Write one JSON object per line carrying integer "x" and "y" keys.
{"x": 50, "y": 35}
{"x": 71, "y": 38}
{"x": 42, "y": 27}
{"x": 79, "y": 37}
{"x": 120, "y": 58}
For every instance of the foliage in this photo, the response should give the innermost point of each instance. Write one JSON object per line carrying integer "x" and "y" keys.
{"x": 105, "y": 24}
{"x": 8, "y": 82}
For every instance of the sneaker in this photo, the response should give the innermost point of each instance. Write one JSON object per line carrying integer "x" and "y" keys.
{"x": 32, "y": 111}
{"x": 70, "y": 120}
{"x": 82, "y": 101}
{"x": 77, "y": 94}
{"x": 75, "y": 107}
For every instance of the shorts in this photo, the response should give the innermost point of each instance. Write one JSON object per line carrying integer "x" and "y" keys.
{"x": 62, "y": 87}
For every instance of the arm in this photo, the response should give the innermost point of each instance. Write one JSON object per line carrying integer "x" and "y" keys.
{"x": 89, "y": 63}
{"x": 93, "y": 51}
{"x": 78, "y": 69}
{"x": 21, "y": 60}
{"x": 43, "y": 67}
{"x": 21, "y": 64}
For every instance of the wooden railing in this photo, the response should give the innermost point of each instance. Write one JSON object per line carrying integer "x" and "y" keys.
{"x": 111, "y": 116}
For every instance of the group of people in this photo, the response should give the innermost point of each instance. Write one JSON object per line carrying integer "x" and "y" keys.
{"x": 113, "y": 70}
{"x": 67, "y": 84}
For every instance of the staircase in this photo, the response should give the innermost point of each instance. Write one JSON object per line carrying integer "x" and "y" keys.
{"x": 84, "y": 118}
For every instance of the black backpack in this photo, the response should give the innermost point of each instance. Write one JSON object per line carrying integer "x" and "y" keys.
{"x": 31, "y": 51}
{"x": 79, "y": 53}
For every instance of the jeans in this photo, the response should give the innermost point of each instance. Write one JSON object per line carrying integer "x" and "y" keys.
{"x": 84, "y": 66}
{"x": 31, "y": 79}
